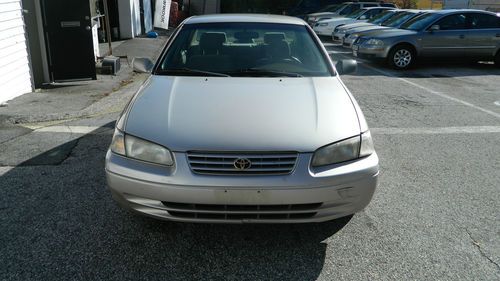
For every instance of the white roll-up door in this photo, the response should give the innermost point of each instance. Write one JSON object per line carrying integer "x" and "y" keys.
{"x": 15, "y": 74}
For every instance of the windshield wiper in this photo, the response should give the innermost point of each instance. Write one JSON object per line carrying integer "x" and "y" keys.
{"x": 265, "y": 72}
{"x": 190, "y": 72}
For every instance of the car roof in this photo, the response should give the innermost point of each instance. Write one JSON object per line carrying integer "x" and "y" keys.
{"x": 257, "y": 18}
{"x": 451, "y": 11}
{"x": 378, "y": 7}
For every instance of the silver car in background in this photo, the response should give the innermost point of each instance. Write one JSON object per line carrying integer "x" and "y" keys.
{"x": 464, "y": 34}
{"x": 340, "y": 31}
{"x": 392, "y": 23}
{"x": 244, "y": 120}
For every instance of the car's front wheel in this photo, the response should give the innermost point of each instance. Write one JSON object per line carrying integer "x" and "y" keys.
{"x": 401, "y": 57}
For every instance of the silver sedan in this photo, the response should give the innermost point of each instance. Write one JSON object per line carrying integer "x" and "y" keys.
{"x": 244, "y": 119}
{"x": 463, "y": 34}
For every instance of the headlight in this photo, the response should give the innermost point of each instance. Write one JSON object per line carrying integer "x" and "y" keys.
{"x": 343, "y": 31}
{"x": 140, "y": 149}
{"x": 323, "y": 24}
{"x": 375, "y": 42}
{"x": 342, "y": 151}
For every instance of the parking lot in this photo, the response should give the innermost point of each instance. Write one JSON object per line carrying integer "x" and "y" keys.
{"x": 434, "y": 216}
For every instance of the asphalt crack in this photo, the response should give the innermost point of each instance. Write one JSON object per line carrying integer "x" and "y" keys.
{"x": 478, "y": 246}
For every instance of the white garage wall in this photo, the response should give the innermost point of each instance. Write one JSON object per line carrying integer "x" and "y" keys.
{"x": 15, "y": 74}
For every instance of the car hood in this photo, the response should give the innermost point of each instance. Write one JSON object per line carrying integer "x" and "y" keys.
{"x": 235, "y": 114}
{"x": 322, "y": 14}
{"x": 336, "y": 20}
{"x": 355, "y": 25}
{"x": 368, "y": 28}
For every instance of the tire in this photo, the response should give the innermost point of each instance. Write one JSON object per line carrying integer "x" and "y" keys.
{"x": 401, "y": 57}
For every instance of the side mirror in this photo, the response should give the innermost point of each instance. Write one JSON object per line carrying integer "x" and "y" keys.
{"x": 142, "y": 65}
{"x": 434, "y": 27}
{"x": 346, "y": 66}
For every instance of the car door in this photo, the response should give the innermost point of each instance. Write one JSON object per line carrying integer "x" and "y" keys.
{"x": 483, "y": 35}
{"x": 448, "y": 39}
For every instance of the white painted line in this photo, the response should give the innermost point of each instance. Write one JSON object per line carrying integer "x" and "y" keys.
{"x": 497, "y": 115}
{"x": 5, "y": 169}
{"x": 83, "y": 130}
{"x": 497, "y": 102}
{"x": 436, "y": 131}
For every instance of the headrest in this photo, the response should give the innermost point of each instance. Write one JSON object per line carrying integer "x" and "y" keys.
{"x": 210, "y": 40}
{"x": 271, "y": 37}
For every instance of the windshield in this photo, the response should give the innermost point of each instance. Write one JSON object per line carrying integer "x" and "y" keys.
{"x": 399, "y": 19}
{"x": 331, "y": 8}
{"x": 381, "y": 17}
{"x": 244, "y": 49}
{"x": 356, "y": 14}
{"x": 420, "y": 22}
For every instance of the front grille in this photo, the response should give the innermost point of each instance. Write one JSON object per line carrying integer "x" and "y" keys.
{"x": 239, "y": 212}
{"x": 212, "y": 163}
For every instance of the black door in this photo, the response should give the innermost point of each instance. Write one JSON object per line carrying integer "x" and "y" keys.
{"x": 68, "y": 36}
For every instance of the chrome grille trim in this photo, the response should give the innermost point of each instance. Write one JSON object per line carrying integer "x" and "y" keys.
{"x": 222, "y": 163}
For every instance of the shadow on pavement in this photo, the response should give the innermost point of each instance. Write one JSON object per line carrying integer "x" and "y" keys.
{"x": 59, "y": 222}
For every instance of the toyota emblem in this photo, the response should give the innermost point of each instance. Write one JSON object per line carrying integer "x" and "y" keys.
{"x": 242, "y": 164}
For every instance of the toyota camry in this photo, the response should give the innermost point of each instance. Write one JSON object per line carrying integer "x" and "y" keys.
{"x": 243, "y": 119}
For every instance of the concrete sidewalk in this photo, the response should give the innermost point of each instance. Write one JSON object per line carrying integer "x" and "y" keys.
{"x": 60, "y": 102}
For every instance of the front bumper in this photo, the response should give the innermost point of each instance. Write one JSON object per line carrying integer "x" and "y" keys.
{"x": 303, "y": 196}
{"x": 338, "y": 37}
{"x": 360, "y": 50}
{"x": 323, "y": 30}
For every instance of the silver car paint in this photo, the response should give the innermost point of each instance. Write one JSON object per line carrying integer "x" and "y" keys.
{"x": 240, "y": 114}
{"x": 343, "y": 188}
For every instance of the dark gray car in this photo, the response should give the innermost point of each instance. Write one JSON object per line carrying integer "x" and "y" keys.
{"x": 469, "y": 34}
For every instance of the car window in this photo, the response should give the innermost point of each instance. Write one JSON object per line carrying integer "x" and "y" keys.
{"x": 482, "y": 21}
{"x": 350, "y": 8}
{"x": 452, "y": 22}
{"x": 387, "y": 5}
{"x": 397, "y": 19}
{"x": 239, "y": 49}
{"x": 370, "y": 5}
{"x": 377, "y": 19}
{"x": 370, "y": 14}
{"x": 356, "y": 14}
{"x": 420, "y": 22}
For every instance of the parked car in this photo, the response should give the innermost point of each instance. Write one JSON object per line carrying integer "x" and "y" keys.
{"x": 343, "y": 10}
{"x": 394, "y": 22}
{"x": 464, "y": 34}
{"x": 261, "y": 131}
{"x": 305, "y": 7}
{"x": 326, "y": 27}
{"x": 339, "y": 31}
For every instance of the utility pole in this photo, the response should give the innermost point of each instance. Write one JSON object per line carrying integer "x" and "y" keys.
{"x": 108, "y": 27}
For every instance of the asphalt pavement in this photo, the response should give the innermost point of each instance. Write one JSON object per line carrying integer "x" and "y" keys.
{"x": 434, "y": 215}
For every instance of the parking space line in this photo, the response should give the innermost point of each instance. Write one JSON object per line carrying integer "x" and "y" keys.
{"x": 82, "y": 130}
{"x": 436, "y": 130}
{"x": 440, "y": 94}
